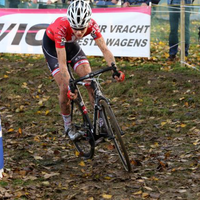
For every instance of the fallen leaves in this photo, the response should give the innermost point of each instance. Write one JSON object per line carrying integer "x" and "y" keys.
{"x": 162, "y": 166}
{"x": 158, "y": 111}
{"x": 143, "y": 195}
{"x": 25, "y": 86}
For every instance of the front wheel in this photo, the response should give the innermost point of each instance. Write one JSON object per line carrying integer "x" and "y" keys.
{"x": 81, "y": 123}
{"x": 114, "y": 133}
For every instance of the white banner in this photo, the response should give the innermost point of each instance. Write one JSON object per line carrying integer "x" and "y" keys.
{"x": 125, "y": 30}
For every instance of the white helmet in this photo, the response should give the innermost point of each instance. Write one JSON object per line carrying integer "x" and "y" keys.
{"x": 79, "y": 14}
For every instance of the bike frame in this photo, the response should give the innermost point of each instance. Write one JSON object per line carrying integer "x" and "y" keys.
{"x": 94, "y": 130}
{"x": 97, "y": 95}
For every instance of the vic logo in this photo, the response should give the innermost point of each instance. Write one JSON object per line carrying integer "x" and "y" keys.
{"x": 30, "y": 35}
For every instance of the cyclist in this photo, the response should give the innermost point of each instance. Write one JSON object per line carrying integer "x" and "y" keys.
{"x": 60, "y": 44}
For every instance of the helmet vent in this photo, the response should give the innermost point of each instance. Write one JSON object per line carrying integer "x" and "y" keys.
{"x": 79, "y": 14}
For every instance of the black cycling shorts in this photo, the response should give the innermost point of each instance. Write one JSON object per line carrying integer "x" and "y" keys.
{"x": 75, "y": 54}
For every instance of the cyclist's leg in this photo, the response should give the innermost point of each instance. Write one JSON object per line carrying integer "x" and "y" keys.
{"x": 64, "y": 102}
{"x": 52, "y": 62}
{"x": 81, "y": 65}
{"x": 83, "y": 70}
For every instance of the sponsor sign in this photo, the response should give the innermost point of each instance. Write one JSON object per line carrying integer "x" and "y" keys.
{"x": 125, "y": 30}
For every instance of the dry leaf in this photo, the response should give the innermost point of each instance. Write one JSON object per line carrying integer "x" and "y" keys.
{"x": 106, "y": 196}
{"x": 145, "y": 195}
{"x": 111, "y": 147}
{"x": 82, "y": 164}
{"x": 20, "y": 131}
{"x": 138, "y": 192}
{"x": 47, "y": 176}
{"x": 38, "y": 158}
{"x": 10, "y": 130}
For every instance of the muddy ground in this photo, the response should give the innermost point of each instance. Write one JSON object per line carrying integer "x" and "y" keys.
{"x": 157, "y": 109}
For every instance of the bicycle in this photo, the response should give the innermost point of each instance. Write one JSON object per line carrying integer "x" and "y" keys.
{"x": 104, "y": 124}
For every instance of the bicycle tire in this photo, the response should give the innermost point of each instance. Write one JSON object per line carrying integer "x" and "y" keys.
{"x": 114, "y": 133}
{"x": 81, "y": 122}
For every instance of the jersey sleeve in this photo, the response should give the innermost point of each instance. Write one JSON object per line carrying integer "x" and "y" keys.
{"x": 59, "y": 36}
{"x": 95, "y": 30}
{"x": 57, "y": 31}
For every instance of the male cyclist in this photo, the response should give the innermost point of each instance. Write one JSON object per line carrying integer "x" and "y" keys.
{"x": 60, "y": 44}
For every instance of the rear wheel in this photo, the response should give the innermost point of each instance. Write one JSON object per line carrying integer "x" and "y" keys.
{"x": 85, "y": 144}
{"x": 114, "y": 133}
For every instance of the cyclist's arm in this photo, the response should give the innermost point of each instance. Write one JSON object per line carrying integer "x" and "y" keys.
{"x": 108, "y": 55}
{"x": 61, "y": 53}
{"x": 106, "y": 52}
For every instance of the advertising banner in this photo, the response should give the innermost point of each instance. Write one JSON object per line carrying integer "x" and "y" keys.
{"x": 125, "y": 30}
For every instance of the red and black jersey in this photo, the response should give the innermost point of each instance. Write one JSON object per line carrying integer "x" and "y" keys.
{"x": 60, "y": 31}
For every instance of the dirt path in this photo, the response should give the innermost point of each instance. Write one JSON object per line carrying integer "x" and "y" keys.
{"x": 159, "y": 111}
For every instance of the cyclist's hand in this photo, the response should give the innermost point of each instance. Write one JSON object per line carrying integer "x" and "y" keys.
{"x": 71, "y": 95}
{"x": 121, "y": 77}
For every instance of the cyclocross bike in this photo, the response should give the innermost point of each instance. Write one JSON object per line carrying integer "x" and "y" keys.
{"x": 104, "y": 124}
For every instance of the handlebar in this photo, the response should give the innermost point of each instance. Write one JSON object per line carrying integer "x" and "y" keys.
{"x": 73, "y": 83}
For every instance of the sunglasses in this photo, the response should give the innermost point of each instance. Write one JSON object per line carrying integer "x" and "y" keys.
{"x": 79, "y": 29}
